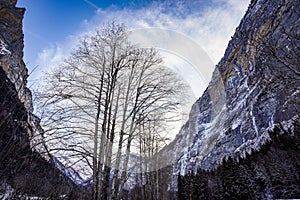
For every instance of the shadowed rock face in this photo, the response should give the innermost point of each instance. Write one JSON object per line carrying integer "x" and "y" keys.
{"x": 21, "y": 168}
{"x": 253, "y": 97}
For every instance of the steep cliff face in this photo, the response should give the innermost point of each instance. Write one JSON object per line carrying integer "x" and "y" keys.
{"x": 253, "y": 96}
{"x": 11, "y": 60}
{"x": 254, "y": 89}
{"x": 11, "y": 49}
{"x": 22, "y": 170}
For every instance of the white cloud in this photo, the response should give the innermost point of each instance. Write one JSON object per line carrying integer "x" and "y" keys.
{"x": 52, "y": 56}
{"x": 185, "y": 52}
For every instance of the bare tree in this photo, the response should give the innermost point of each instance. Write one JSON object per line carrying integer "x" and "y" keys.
{"x": 152, "y": 138}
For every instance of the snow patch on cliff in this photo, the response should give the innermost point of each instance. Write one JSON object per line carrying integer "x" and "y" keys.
{"x": 3, "y": 48}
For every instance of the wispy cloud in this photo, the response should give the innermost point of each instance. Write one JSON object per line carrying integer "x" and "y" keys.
{"x": 91, "y": 4}
{"x": 36, "y": 36}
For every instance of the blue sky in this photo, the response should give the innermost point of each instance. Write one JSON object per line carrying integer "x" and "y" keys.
{"x": 52, "y": 29}
{"x": 51, "y": 21}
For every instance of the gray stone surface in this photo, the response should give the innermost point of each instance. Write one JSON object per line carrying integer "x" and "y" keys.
{"x": 254, "y": 88}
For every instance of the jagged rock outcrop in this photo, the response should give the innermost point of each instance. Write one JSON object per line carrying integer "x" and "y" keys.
{"x": 253, "y": 97}
{"x": 23, "y": 171}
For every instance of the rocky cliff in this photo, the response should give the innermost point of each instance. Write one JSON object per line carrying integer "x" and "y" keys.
{"x": 23, "y": 171}
{"x": 252, "y": 99}
{"x": 254, "y": 89}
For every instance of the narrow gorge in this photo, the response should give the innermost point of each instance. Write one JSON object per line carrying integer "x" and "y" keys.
{"x": 242, "y": 137}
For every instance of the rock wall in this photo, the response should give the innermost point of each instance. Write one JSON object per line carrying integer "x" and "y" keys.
{"x": 11, "y": 61}
{"x": 23, "y": 171}
{"x": 11, "y": 49}
{"x": 254, "y": 88}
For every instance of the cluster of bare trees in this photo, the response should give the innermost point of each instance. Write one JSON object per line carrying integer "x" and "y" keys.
{"x": 109, "y": 100}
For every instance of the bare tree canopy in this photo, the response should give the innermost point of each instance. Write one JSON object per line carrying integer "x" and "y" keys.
{"x": 110, "y": 99}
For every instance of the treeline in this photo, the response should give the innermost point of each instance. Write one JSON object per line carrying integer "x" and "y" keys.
{"x": 156, "y": 185}
{"x": 270, "y": 173}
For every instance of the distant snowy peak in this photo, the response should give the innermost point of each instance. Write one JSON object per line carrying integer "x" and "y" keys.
{"x": 254, "y": 90}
